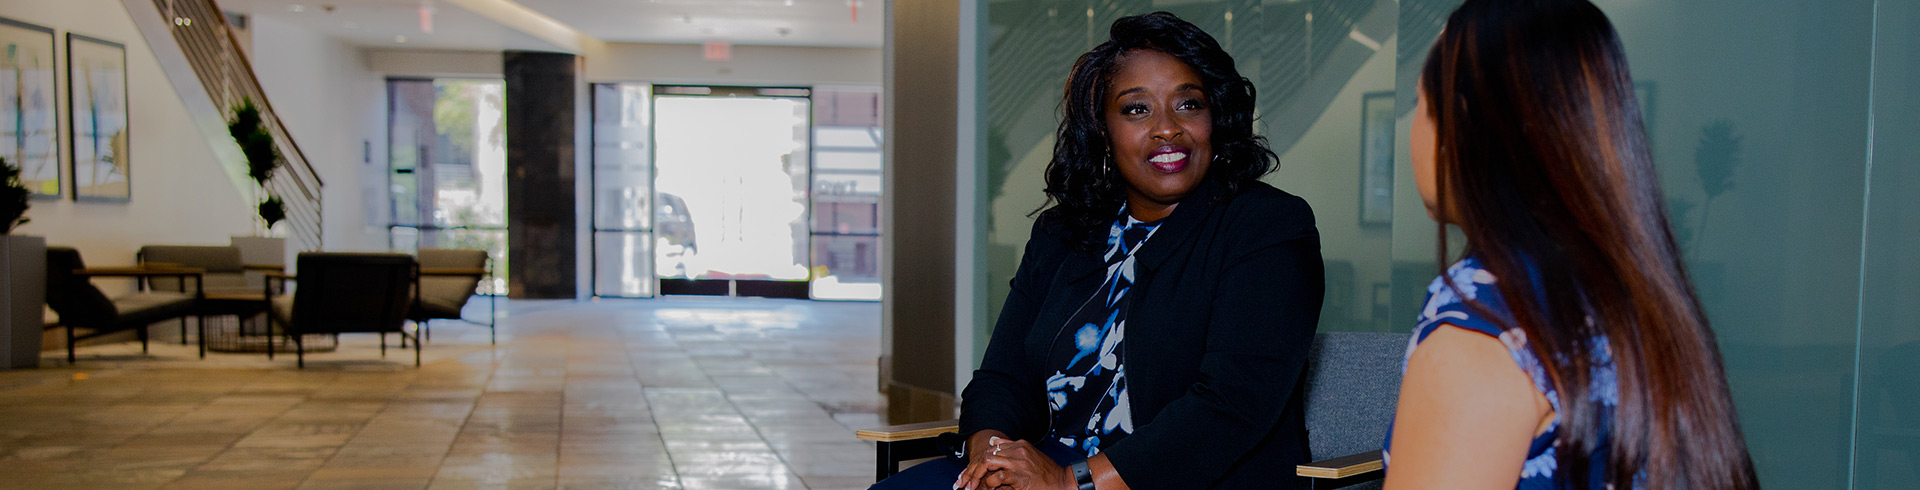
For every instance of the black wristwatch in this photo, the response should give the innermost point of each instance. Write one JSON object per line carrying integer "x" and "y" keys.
{"x": 1082, "y": 475}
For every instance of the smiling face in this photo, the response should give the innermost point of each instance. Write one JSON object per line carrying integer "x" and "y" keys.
{"x": 1160, "y": 125}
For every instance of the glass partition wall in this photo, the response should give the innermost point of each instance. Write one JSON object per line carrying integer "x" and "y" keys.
{"x": 1778, "y": 128}
{"x": 749, "y": 191}
{"x": 448, "y": 159}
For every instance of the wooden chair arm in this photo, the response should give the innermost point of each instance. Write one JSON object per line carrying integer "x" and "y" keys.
{"x": 907, "y": 432}
{"x": 277, "y": 274}
{"x": 1342, "y": 467}
{"x": 138, "y": 272}
{"x": 263, "y": 267}
{"x": 453, "y": 272}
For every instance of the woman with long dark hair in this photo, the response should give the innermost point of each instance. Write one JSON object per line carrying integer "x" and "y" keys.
{"x": 1157, "y": 331}
{"x": 1567, "y": 348}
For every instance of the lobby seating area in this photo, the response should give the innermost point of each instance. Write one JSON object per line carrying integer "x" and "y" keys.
{"x": 378, "y": 293}
{"x": 661, "y": 393}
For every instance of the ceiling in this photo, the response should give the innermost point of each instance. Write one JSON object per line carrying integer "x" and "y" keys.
{"x": 755, "y": 22}
{"x": 392, "y": 23}
{"x": 396, "y": 23}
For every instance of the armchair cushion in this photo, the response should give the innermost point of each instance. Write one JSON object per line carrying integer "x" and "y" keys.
{"x": 443, "y": 296}
{"x": 281, "y": 307}
{"x": 152, "y": 306}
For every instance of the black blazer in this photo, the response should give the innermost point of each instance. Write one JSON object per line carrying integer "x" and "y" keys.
{"x": 1226, "y": 297}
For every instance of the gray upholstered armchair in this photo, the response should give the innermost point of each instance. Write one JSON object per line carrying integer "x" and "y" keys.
{"x": 344, "y": 293}
{"x": 80, "y": 304}
{"x": 448, "y": 279}
{"x": 223, "y": 271}
{"x": 226, "y": 291}
{"x": 1353, "y": 384}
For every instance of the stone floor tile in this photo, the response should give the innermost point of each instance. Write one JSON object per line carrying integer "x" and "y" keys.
{"x": 610, "y": 394}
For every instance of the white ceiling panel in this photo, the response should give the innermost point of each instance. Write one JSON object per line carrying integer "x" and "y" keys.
{"x": 393, "y": 23}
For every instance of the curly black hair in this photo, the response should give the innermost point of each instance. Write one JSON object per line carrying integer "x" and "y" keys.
{"x": 1084, "y": 189}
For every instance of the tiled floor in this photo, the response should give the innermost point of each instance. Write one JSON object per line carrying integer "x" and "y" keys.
{"x": 612, "y": 394}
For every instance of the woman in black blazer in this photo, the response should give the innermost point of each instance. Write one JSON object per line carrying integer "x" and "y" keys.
{"x": 1157, "y": 332}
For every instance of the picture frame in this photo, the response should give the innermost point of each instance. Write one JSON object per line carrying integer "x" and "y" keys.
{"x": 1376, "y": 158}
{"x": 98, "y": 124}
{"x": 29, "y": 114}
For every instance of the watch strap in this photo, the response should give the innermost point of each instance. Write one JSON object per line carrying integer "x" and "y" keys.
{"x": 1082, "y": 475}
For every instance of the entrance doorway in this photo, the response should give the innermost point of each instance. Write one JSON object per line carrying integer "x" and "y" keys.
{"x": 731, "y": 170}
{"x": 745, "y": 191}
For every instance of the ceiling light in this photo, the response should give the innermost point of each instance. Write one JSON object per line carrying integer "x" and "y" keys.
{"x": 296, "y": 8}
{"x": 400, "y": 39}
{"x": 789, "y": 3}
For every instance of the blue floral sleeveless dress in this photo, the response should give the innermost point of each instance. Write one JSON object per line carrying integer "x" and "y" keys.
{"x": 1445, "y": 307}
{"x": 1087, "y": 394}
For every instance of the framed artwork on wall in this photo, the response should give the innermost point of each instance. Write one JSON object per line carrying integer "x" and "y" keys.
{"x": 1376, "y": 159}
{"x": 29, "y": 130}
{"x": 97, "y": 99}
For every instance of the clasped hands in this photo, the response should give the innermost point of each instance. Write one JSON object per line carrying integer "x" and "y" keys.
{"x": 996, "y": 462}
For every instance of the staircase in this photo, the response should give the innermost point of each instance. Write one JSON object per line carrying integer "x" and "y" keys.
{"x": 210, "y": 47}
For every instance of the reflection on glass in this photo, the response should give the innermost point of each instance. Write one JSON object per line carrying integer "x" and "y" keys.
{"x": 1887, "y": 425}
{"x": 847, "y": 187}
{"x": 622, "y": 159}
{"x": 731, "y": 182}
{"x": 623, "y": 264}
{"x": 623, "y": 191}
{"x": 848, "y": 267}
{"x": 448, "y": 158}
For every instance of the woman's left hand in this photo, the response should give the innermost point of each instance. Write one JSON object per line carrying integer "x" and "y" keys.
{"x": 1023, "y": 467}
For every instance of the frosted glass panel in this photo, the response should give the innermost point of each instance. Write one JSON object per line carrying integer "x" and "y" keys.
{"x": 1758, "y": 114}
{"x": 1888, "y": 413}
{"x": 623, "y": 264}
{"x": 1762, "y": 157}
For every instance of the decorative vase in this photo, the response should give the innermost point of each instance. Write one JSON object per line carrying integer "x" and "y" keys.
{"x": 23, "y": 299}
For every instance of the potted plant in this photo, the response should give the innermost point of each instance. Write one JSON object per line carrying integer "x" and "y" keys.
{"x": 23, "y": 276}
{"x": 263, "y": 159}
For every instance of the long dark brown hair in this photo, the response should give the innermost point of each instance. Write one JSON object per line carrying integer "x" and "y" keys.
{"x": 1539, "y": 136}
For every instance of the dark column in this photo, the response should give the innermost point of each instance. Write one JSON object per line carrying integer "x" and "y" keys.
{"x": 917, "y": 359}
{"x": 542, "y": 99}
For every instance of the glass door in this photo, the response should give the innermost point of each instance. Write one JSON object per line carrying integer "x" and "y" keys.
{"x": 731, "y": 177}
{"x": 623, "y": 238}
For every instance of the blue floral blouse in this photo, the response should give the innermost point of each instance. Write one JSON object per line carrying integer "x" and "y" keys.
{"x": 1087, "y": 395}
{"x": 1445, "y": 307}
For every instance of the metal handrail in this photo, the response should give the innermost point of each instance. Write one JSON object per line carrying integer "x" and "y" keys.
{"x": 212, "y": 48}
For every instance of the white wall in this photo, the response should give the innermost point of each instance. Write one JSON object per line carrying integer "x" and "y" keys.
{"x": 750, "y": 65}
{"x": 659, "y": 63}
{"x": 418, "y": 63}
{"x": 181, "y": 195}
{"x": 336, "y": 110}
